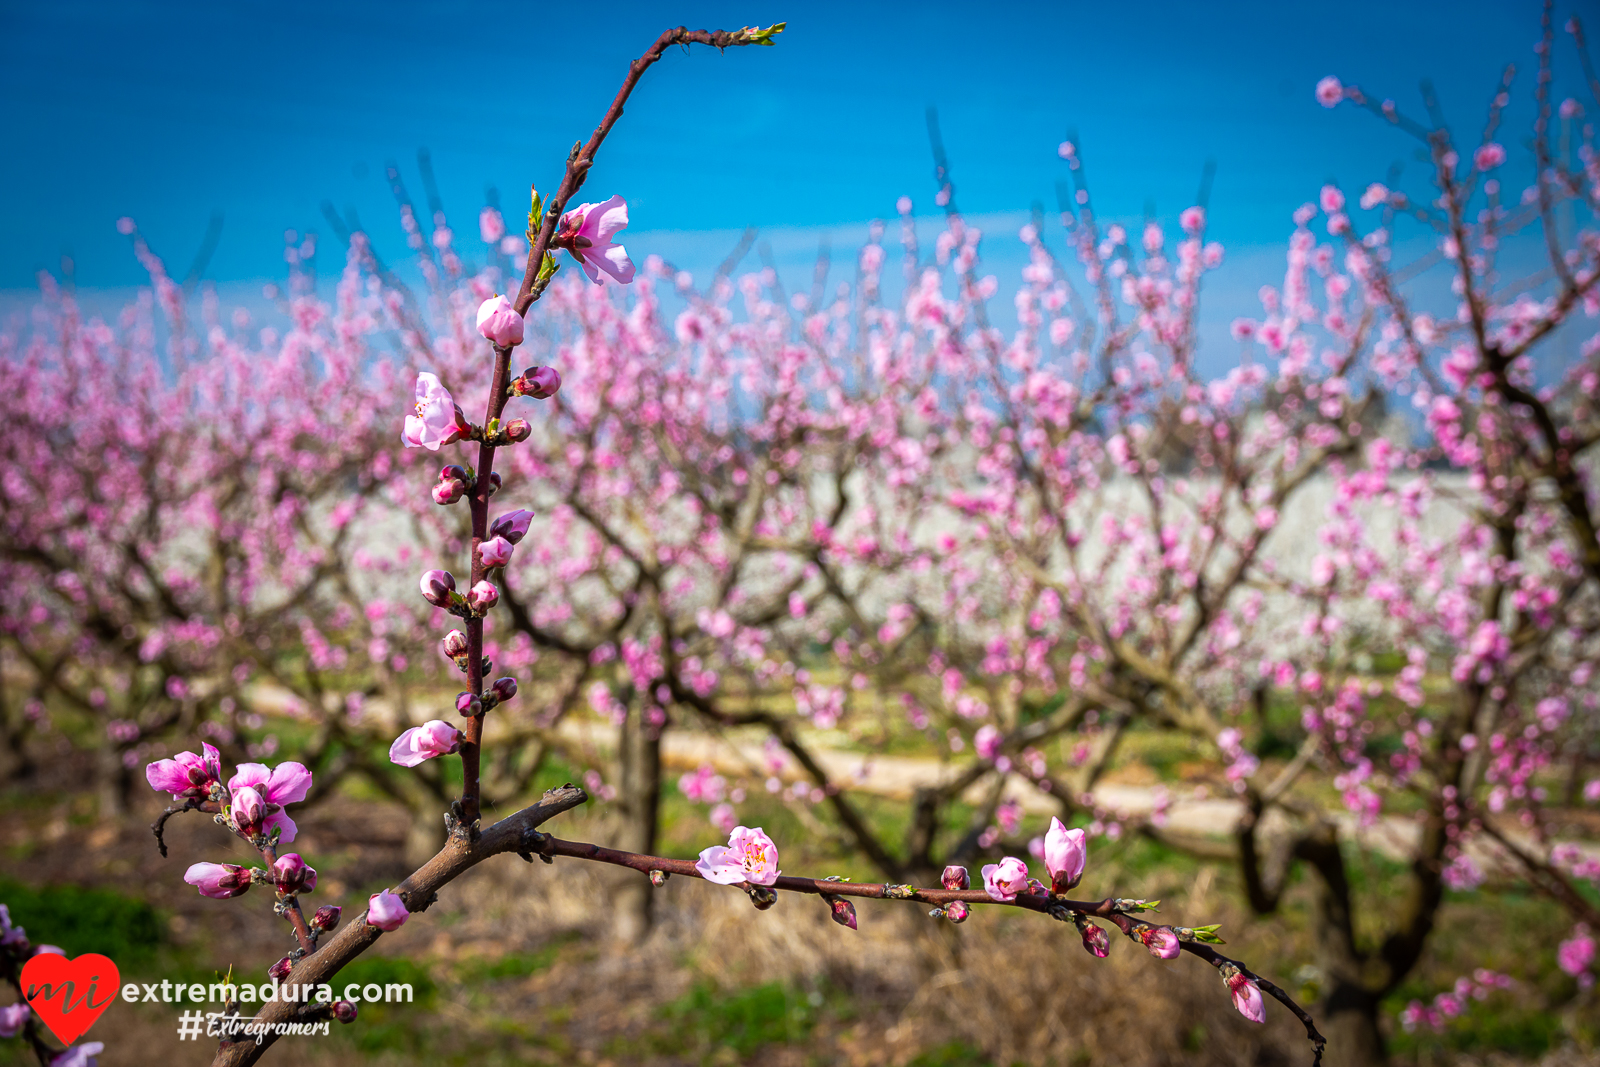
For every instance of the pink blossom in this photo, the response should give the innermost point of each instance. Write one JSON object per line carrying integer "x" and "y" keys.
{"x": 513, "y": 525}
{"x": 495, "y": 552}
{"x": 750, "y": 856}
{"x": 1331, "y": 199}
{"x": 1192, "y": 219}
{"x": 219, "y": 881}
{"x": 1576, "y": 953}
{"x": 491, "y": 226}
{"x": 1004, "y": 880}
{"x": 987, "y": 742}
{"x": 12, "y": 1019}
{"x": 186, "y": 774}
{"x": 1065, "y": 854}
{"x": 724, "y": 818}
{"x": 433, "y": 738}
{"x": 1489, "y": 156}
{"x": 436, "y": 419}
{"x": 956, "y": 877}
{"x": 285, "y": 784}
{"x": 386, "y": 911}
{"x": 499, "y": 322}
{"x": 85, "y": 1055}
{"x": 1329, "y": 91}
{"x": 1246, "y": 996}
{"x": 592, "y": 227}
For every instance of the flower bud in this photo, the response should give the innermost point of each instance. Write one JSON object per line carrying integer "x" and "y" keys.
{"x": 844, "y": 912}
{"x": 957, "y": 911}
{"x": 658, "y": 878}
{"x": 1065, "y": 853}
{"x": 454, "y": 644}
{"x": 327, "y": 917}
{"x": 437, "y": 586}
{"x": 220, "y": 881}
{"x": 499, "y": 322}
{"x": 344, "y": 1011}
{"x": 1246, "y": 994}
{"x": 517, "y": 430}
{"x": 495, "y": 552}
{"x": 469, "y": 704}
{"x": 482, "y": 597}
{"x": 956, "y": 877}
{"x": 541, "y": 383}
{"x": 386, "y": 911}
{"x": 513, "y": 525}
{"x": 291, "y": 874}
{"x": 762, "y": 897}
{"x": 280, "y": 970}
{"x": 1095, "y": 941}
{"x": 494, "y": 482}
{"x": 445, "y": 493}
{"x": 247, "y": 811}
{"x": 504, "y": 688}
{"x": 1160, "y": 940}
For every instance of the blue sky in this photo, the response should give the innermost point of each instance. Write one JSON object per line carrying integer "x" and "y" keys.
{"x": 169, "y": 111}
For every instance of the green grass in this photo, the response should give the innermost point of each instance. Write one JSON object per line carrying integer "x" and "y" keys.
{"x": 85, "y": 920}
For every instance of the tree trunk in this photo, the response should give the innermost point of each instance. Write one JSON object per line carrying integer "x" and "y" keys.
{"x": 113, "y": 775}
{"x": 1348, "y": 1014}
{"x": 1348, "y": 1018}
{"x": 639, "y": 796}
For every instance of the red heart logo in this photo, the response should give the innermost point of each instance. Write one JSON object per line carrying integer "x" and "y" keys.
{"x": 69, "y": 995}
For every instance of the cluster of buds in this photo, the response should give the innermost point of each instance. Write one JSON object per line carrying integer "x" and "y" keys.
{"x": 454, "y": 481}
{"x": 439, "y": 589}
{"x": 472, "y": 705}
{"x": 541, "y": 383}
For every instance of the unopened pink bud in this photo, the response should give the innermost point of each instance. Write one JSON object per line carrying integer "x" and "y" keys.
{"x": 219, "y": 881}
{"x": 445, "y": 493}
{"x": 469, "y": 704}
{"x": 505, "y": 688}
{"x": 495, "y": 552}
{"x": 344, "y": 1011}
{"x": 513, "y": 525}
{"x": 494, "y": 482}
{"x": 957, "y": 911}
{"x": 1161, "y": 941}
{"x": 327, "y": 917}
{"x": 482, "y": 597}
{"x": 247, "y": 811}
{"x": 517, "y": 430}
{"x": 433, "y": 738}
{"x": 280, "y": 970}
{"x": 956, "y": 877}
{"x": 844, "y": 912}
{"x": 1095, "y": 941}
{"x": 292, "y": 875}
{"x": 658, "y": 878}
{"x": 499, "y": 322}
{"x": 1246, "y": 995}
{"x": 541, "y": 383}
{"x": 386, "y": 911}
{"x": 454, "y": 644}
{"x": 437, "y": 586}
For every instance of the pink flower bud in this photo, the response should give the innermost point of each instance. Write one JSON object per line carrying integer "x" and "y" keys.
{"x": 1246, "y": 994}
{"x": 1004, "y": 880}
{"x": 247, "y": 811}
{"x": 327, "y": 917}
{"x": 1065, "y": 853}
{"x": 957, "y": 911}
{"x": 482, "y": 597}
{"x": 1161, "y": 941}
{"x": 1095, "y": 941}
{"x": 280, "y": 970}
{"x": 344, "y": 1011}
{"x": 433, "y": 738}
{"x": 218, "y": 880}
{"x": 445, "y": 493}
{"x": 956, "y": 877}
{"x": 658, "y": 878}
{"x": 291, "y": 874}
{"x": 541, "y": 383}
{"x": 499, "y": 322}
{"x": 517, "y": 430}
{"x": 513, "y": 525}
{"x": 454, "y": 644}
{"x": 13, "y": 1019}
{"x": 469, "y": 704}
{"x": 844, "y": 912}
{"x": 437, "y": 586}
{"x": 505, "y": 688}
{"x": 386, "y": 911}
{"x": 495, "y": 552}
